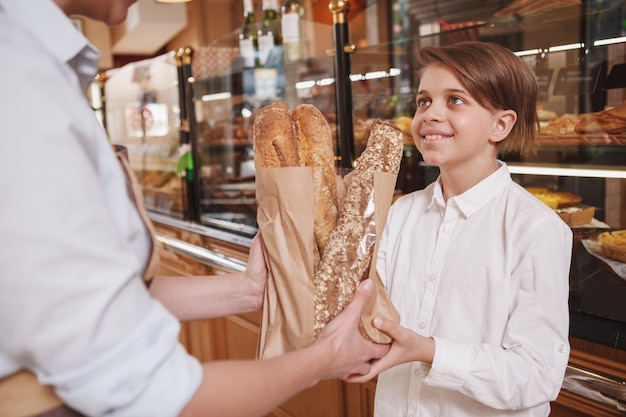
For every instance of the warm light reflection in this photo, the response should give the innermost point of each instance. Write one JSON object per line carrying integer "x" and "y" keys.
{"x": 217, "y": 96}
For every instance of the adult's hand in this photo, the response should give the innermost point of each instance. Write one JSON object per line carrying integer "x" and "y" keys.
{"x": 256, "y": 271}
{"x": 347, "y": 352}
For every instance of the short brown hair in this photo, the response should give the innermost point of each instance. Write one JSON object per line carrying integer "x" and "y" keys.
{"x": 497, "y": 79}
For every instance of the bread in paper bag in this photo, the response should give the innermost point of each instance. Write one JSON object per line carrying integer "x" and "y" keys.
{"x": 312, "y": 275}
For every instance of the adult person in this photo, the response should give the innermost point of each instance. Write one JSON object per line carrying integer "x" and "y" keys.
{"x": 477, "y": 267}
{"x": 74, "y": 310}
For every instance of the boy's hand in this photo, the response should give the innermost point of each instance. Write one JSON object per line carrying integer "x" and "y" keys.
{"x": 407, "y": 346}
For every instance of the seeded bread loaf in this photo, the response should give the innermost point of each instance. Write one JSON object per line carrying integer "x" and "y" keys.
{"x": 346, "y": 260}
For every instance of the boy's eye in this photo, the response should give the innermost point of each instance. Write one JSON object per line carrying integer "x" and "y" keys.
{"x": 456, "y": 100}
{"x": 422, "y": 102}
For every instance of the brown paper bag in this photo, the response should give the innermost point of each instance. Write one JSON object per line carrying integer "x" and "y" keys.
{"x": 285, "y": 217}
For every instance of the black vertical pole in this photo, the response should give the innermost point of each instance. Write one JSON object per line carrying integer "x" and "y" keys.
{"x": 188, "y": 131}
{"x": 343, "y": 87}
{"x": 193, "y": 133}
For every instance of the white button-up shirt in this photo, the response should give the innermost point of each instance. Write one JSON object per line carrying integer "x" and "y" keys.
{"x": 486, "y": 275}
{"x": 73, "y": 306}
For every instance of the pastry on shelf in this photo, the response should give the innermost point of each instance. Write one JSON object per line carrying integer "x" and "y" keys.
{"x": 606, "y": 121}
{"x": 555, "y": 199}
{"x": 576, "y": 215}
{"x": 613, "y": 245}
{"x": 563, "y": 125}
{"x": 567, "y": 205}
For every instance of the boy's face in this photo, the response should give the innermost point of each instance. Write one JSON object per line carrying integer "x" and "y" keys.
{"x": 450, "y": 129}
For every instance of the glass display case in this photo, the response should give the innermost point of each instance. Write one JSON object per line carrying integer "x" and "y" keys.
{"x": 578, "y": 54}
{"x": 143, "y": 114}
{"x": 226, "y": 97}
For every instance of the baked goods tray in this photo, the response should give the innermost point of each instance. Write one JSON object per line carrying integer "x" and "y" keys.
{"x": 596, "y": 139}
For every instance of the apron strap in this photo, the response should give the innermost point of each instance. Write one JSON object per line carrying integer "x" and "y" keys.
{"x": 136, "y": 196}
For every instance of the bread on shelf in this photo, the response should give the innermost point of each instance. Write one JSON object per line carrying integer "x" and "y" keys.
{"x": 605, "y": 121}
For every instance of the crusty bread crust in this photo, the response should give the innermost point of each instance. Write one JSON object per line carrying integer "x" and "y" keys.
{"x": 346, "y": 261}
{"x": 274, "y": 139}
{"x": 315, "y": 149}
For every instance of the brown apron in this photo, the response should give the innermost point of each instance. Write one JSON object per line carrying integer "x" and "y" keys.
{"x": 21, "y": 395}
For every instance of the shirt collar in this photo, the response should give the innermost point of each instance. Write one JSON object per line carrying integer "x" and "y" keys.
{"x": 47, "y": 23}
{"x": 473, "y": 199}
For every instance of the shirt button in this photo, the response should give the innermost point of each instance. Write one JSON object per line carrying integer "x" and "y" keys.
{"x": 445, "y": 229}
{"x": 561, "y": 348}
{"x": 421, "y": 325}
{"x": 431, "y": 277}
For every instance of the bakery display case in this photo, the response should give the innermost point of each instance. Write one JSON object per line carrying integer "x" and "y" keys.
{"x": 187, "y": 122}
{"x": 225, "y": 97}
{"x": 577, "y": 52}
{"x": 143, "y": 114}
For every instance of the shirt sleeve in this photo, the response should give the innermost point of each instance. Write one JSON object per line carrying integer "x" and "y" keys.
{"x": 528, "y": 368}
{"x": 73, "y": 307}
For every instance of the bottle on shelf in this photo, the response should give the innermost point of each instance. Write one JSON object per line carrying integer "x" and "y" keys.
{"x": 269, "y": 33}
{"x": 292, "y": 13}
{"x": 248, "y": 39}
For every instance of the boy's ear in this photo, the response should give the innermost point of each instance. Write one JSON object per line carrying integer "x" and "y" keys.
{"x": 505, "y": 120}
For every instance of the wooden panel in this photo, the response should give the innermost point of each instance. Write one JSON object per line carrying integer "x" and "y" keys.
{"x": 326, "y": 399}
{"x": 198, "y": 337}
{"x": 602, "y": 359}
{"x": 571, "y": 405}
{"x": 323, "y": 400}
{"x": 360, "y": 399}
{"x": 240, "y": 338}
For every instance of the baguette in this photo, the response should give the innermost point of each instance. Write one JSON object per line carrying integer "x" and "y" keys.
{"x": 274, "y": 138}
{"x": 315, "y": 149}
{"x": 346, "y": 259}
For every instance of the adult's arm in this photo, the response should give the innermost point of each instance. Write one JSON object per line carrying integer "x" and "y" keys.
{"x": 254, "y": 388}
{"x": 205, "y": 297}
